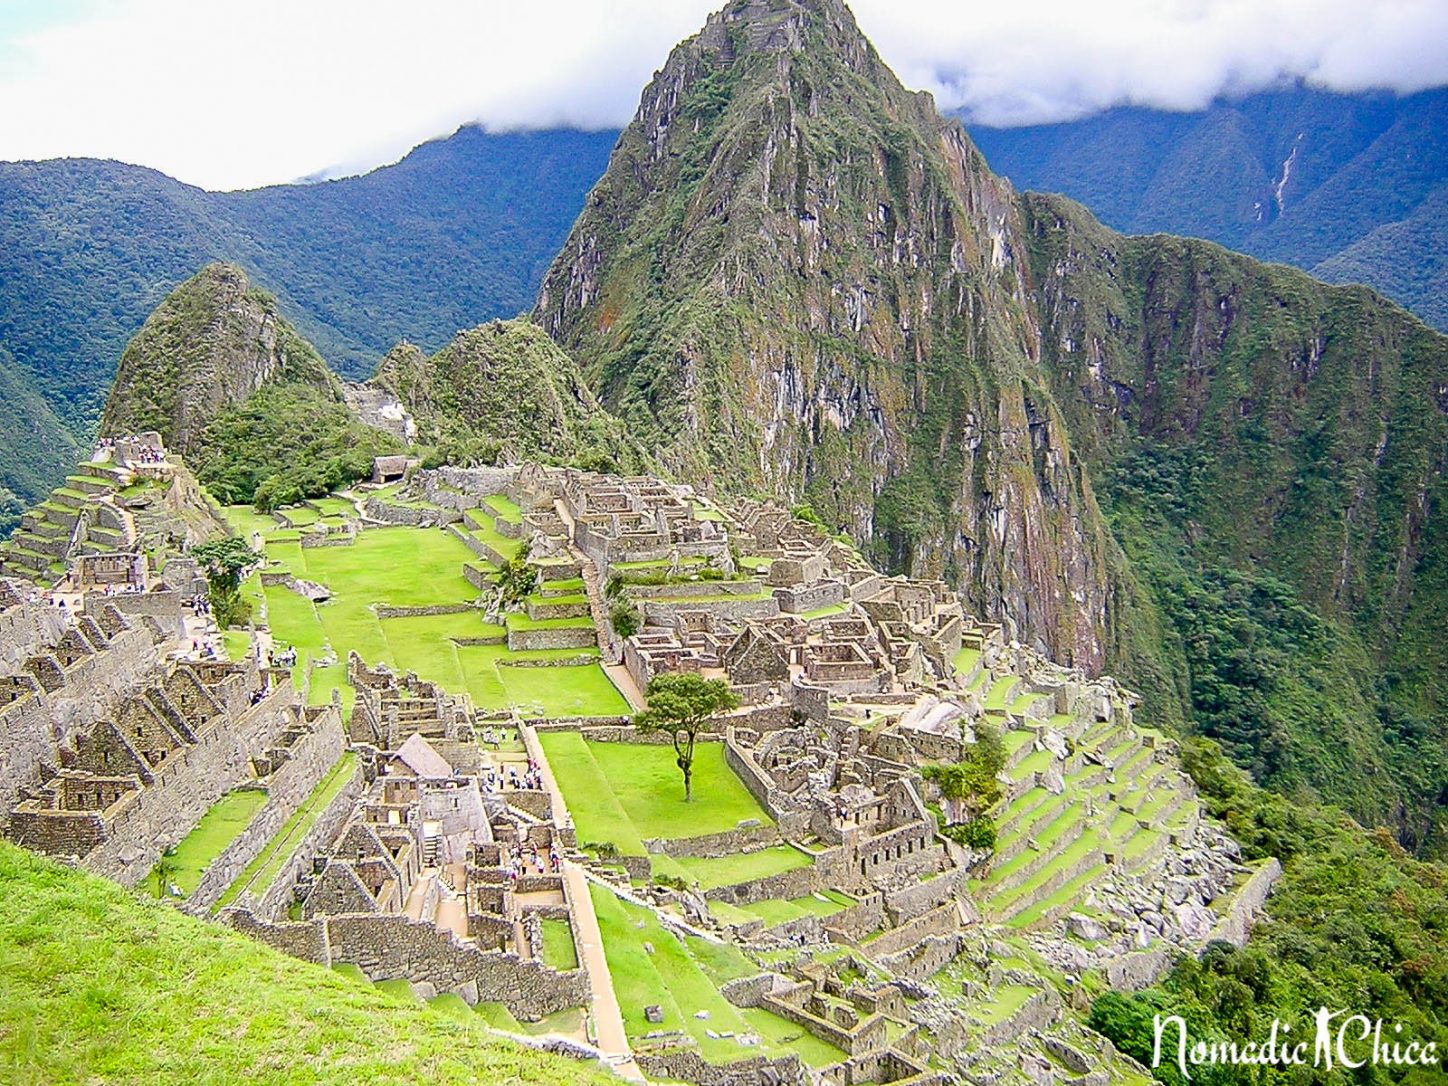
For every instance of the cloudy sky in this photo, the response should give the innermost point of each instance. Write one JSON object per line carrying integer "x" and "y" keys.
{"x": 239, "y": 94}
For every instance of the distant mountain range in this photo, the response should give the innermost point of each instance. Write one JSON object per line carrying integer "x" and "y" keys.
{"x": 1352, "y": 188}
{"x": 1349, "y": 187}
{"x": 459, "y": 231}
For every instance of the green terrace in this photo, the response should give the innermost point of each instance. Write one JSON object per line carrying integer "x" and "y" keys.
{"x": 184, "y": 865}
{"x": 623, "y": 794}
{"x": 416, "y": 567}
{"x": 263, "y": 870}
{"x": 682, "y": 976}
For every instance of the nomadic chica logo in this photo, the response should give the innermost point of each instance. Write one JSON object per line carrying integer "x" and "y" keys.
{"x": 1338, "y": 1039}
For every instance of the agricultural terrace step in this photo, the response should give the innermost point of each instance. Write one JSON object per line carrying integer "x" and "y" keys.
{"x": 1022, "y": 807}
{"x": 89, "y": 484}
{"x": 1065, "y": 830}
{"x": 1082, "y": 853}
{"x": 1019, "y": 835}
{"x": 1048, "y": 910}
{"x": 1019, "y": 743}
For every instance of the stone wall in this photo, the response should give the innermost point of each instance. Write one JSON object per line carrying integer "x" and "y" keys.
{"x": 273, "y": 902}
{"x": 186, "y": 786}
{"x": 800, "y": 598}
{"x": 713, "y": 845}
{"x": 686, "y": 1065}
{"x": 163, "y": 606}
{"x": 561, "y": 637}
{"x": 1236, "y": 925}
{"x": 311, "y": 757}
{"x": 390, "y": 947}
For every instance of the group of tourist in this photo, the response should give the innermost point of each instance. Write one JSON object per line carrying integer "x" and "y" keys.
{"x": 507, "y": 776}
{"x": 528, "y": 860}
{"x": 494, "y": 737}
{"x": 136, "y": 451}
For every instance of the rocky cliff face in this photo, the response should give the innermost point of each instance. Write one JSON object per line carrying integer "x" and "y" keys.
{"x": 213, "y": 342}
{"x": 506, "y": 385}
{"x": 796, "y": 277}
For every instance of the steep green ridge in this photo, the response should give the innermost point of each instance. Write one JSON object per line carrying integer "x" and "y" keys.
{"x": 35, "y": 447}
{"x": 796, "y": 277}
{"x": 212, "y": 342}
{"x": 101, "y": 985}
{"x": 1309, "y": 177}
{"x": 504, "y": 387}
{"x": 231, "y": 385}
{"x": 1271, "y": 452}
{"x": 460, "y": 231}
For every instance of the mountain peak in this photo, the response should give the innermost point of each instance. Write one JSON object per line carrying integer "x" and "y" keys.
{"x": 212, "y": 341}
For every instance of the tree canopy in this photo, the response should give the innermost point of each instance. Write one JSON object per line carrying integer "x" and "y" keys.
{"x": 680, "y": 704}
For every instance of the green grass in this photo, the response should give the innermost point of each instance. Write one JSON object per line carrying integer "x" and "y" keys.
{"x": 558, "y": 949}
{"x": 774, "y": 911}
{"x": 218, "y": 827}
{"x": 104, "y": 986}
{"x": 237, "y": 643}
{"x": 828, "y": 611}
{"x": 682, "y": 983}
{"x": 505, "y": 508}
{"x": 268, "y": 863}
{"x": 629, "y": 792}
{"x": 743, "y": 867}
{"x": 965, "y": 660}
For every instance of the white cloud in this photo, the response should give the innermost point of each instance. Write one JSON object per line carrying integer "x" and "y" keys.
{"x": 229, "y": 95}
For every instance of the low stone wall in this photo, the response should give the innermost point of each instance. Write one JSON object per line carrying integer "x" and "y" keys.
{"x": 660, "y": 613}
{"x": 940, "y": 921}
{"x": 784, "y": 885}
{"x": 747, "y": 587}
{"x": 385, "y": 611}
{"x": 560, "y": 637}
{"x": 853, "y": 924}
{"x": 390, "y": 947}
{"x": 800, "y": 598}
{"x": 713, "y": 845}
{"x": 408, "y": 515}
{"x": 686, "y": 1065}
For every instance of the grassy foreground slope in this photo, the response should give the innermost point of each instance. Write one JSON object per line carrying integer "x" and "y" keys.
{"x": 101, "y": 986}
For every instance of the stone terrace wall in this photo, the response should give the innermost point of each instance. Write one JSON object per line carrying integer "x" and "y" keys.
{"x": 389, "y": 947}
{"x": 1237, "y": 924}
{"x": 686, "y": 1065}
{"x": 273, "y": 903}
{"x": 312, "y": 756}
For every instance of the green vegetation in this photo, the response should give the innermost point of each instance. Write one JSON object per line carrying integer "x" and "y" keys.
{"x": 226, "y": 562}
{"x": 1148, "y": 171}
{"x": 415, "y": 567}
{"x": 285, "y": 443}
{"x": 504, "y": 384}
{"x": 185, "y": 864}
{"x": 102, "y": 985}
{"x": 682, "y": 978}
{"x": 626, "y": 793}
{"x": 970, "y": 788}
{"x": 679, "y": 706}
{"x": 558, "y": 949}
{"x": 1354, "y": 922}
{"x": 269, "y": 862}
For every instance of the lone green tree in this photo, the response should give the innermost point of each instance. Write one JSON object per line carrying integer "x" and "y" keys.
{"x": 226, "y": 562}
{"x": 516, "y": 580}
{"x": 680, "y": 704}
